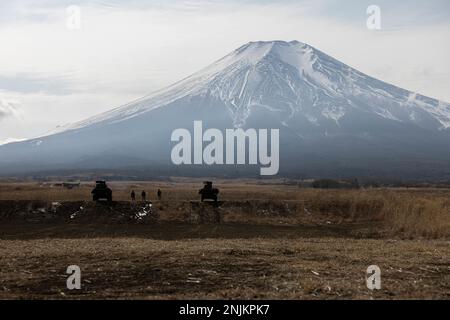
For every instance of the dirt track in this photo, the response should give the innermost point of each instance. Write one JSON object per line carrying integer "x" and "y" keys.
{"x": 251, "y": 212}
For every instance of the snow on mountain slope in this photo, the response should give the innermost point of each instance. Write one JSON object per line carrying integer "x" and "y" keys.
{"x": 289, "y": 78}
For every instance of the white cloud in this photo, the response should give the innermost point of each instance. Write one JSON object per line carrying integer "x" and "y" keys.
{"x": 9, "y": 108}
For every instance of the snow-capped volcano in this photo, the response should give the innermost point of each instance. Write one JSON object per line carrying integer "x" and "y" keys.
{"x": 289, "y": 79}
{"x": 330, "y": 115}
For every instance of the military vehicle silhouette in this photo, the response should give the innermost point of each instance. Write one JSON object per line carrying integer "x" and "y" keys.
{"x": 101, "y": 192}
{"x": 208, "y": 192}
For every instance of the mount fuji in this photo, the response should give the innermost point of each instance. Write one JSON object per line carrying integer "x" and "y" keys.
{"x": 334, "y": 121}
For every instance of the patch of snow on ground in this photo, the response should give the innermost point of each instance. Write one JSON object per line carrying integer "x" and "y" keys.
{"x": 333, "y": 113}
{"x": 387, "y": 115}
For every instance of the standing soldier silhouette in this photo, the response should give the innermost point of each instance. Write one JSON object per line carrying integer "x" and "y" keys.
{"x": 159, "y": 194}
{"x": 143, "y": 195}
{"x": 133, "y": 195}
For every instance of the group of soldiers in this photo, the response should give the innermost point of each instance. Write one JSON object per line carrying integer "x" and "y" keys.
{"x": 102, "y": 192}
{"x": 144, "y": 195}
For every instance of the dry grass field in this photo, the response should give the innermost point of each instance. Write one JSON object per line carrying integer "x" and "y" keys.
{"x": 263, "y": 241}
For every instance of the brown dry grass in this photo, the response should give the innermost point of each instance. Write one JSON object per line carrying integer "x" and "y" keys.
{"x": 415, "y": 213}
{"x": 415, "y": 216}
{"x": 404, "y": 212}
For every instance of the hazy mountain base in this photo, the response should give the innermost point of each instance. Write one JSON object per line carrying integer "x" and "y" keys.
{"x": 408, "y": 156}
{"x": 383, "y": 172}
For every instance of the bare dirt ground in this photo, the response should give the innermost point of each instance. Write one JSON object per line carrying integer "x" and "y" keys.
{"x": 262, "y": 241}
{"x": 303, "y": 268}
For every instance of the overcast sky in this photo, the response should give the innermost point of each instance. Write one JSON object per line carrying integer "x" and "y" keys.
{"x": 52, "y": 74}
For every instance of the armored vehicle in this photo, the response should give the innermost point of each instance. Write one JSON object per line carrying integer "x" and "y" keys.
{"x": 101, "y": 192}
{"x": 208, "y": 192}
